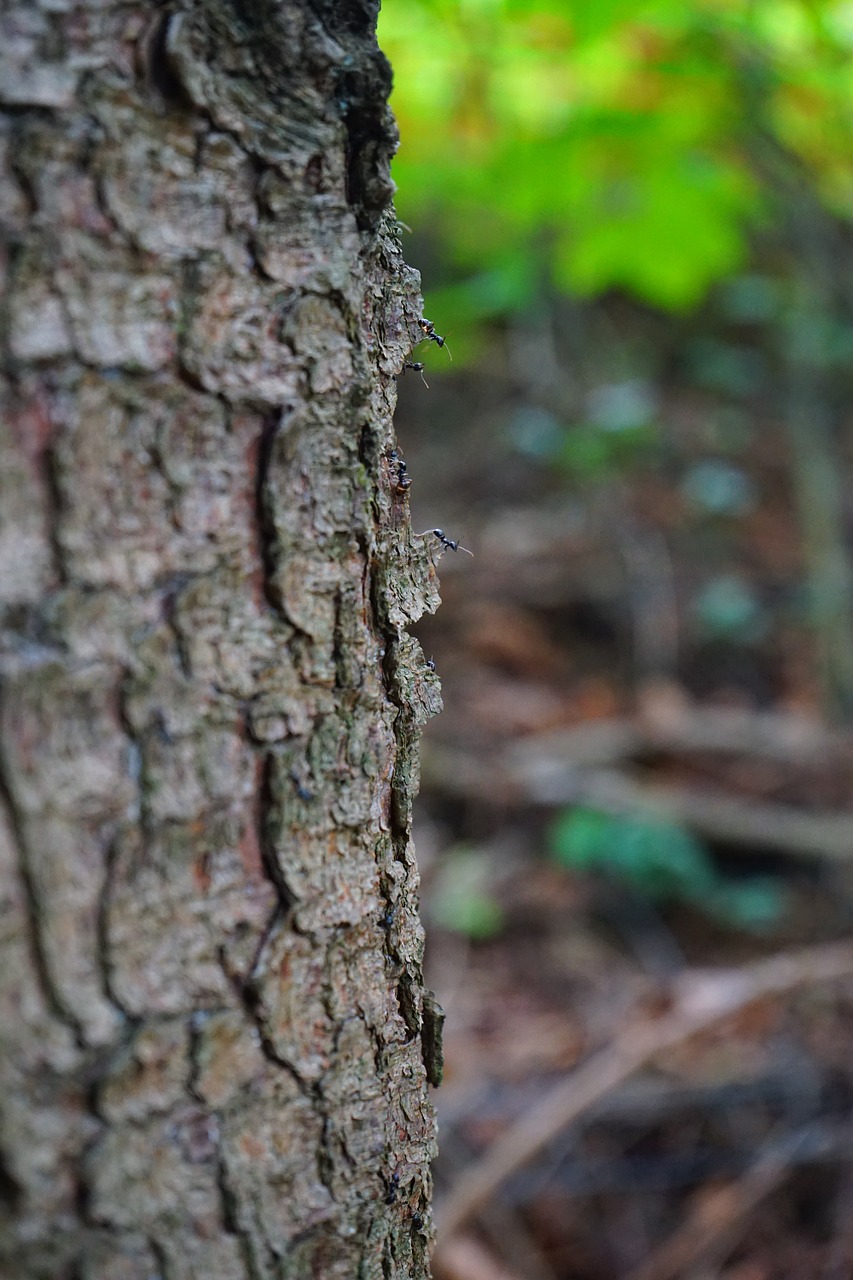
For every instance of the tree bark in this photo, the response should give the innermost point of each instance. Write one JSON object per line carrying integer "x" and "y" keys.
{"x": 211, "y": 1010}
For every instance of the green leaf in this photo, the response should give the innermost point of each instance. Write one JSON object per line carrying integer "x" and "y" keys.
{"x": 665, "y": 863}
{"x": 657, "y": 857}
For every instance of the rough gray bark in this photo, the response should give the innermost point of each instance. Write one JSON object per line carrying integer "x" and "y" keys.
{"x": 211, "y": 1008}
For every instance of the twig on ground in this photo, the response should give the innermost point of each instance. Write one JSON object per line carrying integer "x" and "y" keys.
{"x": 719, "y": 1219}
{"x": 504, "y": 1228}
{"x": 728, "y": 819}
{"x": 665, "y": 723}
{"x": 701, "y": 999}
{"x": 467, "y": 1259}
{"x": 533, "y": 776}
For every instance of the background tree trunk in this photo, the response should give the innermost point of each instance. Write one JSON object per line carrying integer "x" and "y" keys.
{"x": 211, "y": 1004}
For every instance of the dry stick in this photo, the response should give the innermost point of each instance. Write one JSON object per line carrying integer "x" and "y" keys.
{"x": 772, "y": 735}
{"x": 507, "y": 1236}
{"x": 713, "y": 1229}
{"x": 467, "y": 1259}
{"x": 528, "y": 778}
{"x": 727, "y": 818}
{"x": 706, "y": 998}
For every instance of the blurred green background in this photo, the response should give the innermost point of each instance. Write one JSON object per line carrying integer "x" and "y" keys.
{"x": 641, "y": 147}
{"x": 633, "y": 223}
{"x": 694, "y": 160}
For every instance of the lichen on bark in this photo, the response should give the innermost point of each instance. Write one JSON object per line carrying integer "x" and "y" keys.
{"x": 211, "y": 997}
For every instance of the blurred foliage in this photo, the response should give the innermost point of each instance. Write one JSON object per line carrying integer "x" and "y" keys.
{"x": 462, "y": 900}
{"x": 716, "y": 487}
{"x": 619, "y": 428}
{"x": 621, "y": 144}
{"x": 664, "y": 863}
{"x": 727, "y": 608}
{"x": 616, "y": 428}
{"x": 569, "y": 165}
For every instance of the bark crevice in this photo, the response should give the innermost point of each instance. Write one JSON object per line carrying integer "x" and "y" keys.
{"x": 31, "y": 897}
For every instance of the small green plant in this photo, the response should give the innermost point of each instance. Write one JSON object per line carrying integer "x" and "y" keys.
{"x": 665, "y": 863}
{"x": 462, "y": 900}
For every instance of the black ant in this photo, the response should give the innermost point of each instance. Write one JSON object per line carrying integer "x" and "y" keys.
{"x": 391, "y": 1188}
{"x": 449, "y": 544}
{"x": 430, "y": 662}
{"x": 418, "y": 367}
{"x": 402, "y": 480}
{"x": 428, "y": 329}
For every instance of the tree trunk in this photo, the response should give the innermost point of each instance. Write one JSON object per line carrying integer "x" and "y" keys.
{"x": 211, "y": 1010}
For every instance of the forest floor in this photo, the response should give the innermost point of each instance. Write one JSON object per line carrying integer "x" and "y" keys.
{"x": 635, "y": 829}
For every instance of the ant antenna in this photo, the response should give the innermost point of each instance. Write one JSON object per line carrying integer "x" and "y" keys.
{"x": 418, "y": 367}
{"x": 449, "y": 544}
